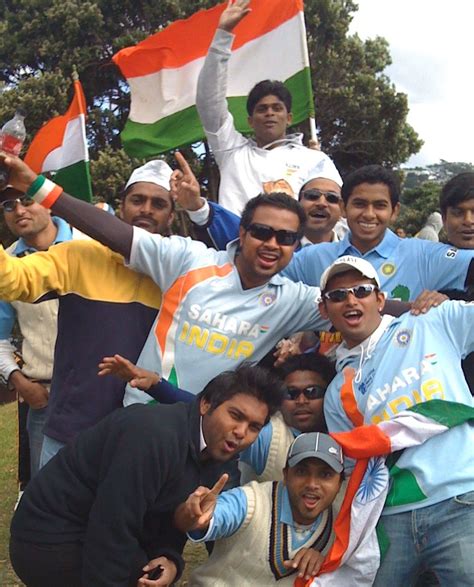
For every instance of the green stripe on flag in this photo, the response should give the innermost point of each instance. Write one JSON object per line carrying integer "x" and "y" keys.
{"x": 446, "y": 413}
{"x": 76, "y": 180}
{"x": 382, "y": 538}
{"x": 404, "y": 488}
{"x": 184, "y": 127}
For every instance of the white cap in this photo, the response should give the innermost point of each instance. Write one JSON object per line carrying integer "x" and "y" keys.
{"x": 348, "y": 263}
{"x": 157, "y": 172}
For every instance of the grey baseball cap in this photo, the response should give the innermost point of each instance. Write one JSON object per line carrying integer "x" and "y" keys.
{"x": 316, "y": 445}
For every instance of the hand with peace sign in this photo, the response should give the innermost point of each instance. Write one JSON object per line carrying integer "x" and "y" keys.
{"x": 196, "y": 512}
{"x": 184, "y": 185}
{"x": 233, "y": 14}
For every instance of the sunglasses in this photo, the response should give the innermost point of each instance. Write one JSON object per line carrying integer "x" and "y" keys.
{"x": 313, "y": 392}
{"x": 262, "y": 232}
{"x": 341, "y": 294}
{"x": 10, "y": 205}
{"x": 314, "y": 195}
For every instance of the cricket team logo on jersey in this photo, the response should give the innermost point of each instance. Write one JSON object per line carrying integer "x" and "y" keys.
{"x": 220, "y": 334}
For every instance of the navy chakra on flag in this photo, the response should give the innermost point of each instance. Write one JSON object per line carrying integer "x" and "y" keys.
{"x": 374, "y": 482}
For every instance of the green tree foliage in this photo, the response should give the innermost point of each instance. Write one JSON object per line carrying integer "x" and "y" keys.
{"x": 417, "y": 204}
{"x": 360, "y": 116}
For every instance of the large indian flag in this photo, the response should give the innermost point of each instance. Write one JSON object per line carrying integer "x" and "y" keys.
{"x": 60, "y": 148}
{"x": 162, "y": 72}
{"x": 360, "y": 542}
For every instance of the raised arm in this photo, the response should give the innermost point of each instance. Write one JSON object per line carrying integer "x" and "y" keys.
{"x": 211, "y": 93}
{"x": 96, "y": 223}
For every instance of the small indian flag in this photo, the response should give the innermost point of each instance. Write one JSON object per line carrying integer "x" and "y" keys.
{"x": 162, "y": 72}
{"x": 60, "y": 147}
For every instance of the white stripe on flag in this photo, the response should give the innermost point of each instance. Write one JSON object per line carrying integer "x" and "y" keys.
{"x": 410, "y": 429}
{"x": 73, "y": 149}
{"x": 161, "y": 94}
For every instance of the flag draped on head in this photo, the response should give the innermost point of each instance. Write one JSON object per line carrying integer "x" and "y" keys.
{"x": 359, "y": 543}
{"x": 162, "y": 72}
{"x": 60, "y": 146}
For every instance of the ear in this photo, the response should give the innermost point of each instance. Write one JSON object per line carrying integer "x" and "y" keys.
{"x": 289, "y": 118}
{"x": 380, "y": 300}
{"x": 204, "y": 406}
{"x": 395, "y": 212}
{"x": 242, "y": 233}
{"x": 343, "y": 209}
{"x": 250, "y": 121}
{"x": 323, "y": 310}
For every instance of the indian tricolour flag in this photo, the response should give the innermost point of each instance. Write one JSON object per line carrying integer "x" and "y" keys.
{"x": 60, "y": 148}
{"x": 359, "y": 542}
{"x": 162, "y": 72}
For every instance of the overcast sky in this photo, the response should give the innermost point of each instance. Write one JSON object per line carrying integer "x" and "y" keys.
{"x": 431, "y": 44}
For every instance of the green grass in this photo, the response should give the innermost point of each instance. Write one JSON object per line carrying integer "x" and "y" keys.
{"x": 9, "y": 491}
{"x": 8, "y": 487}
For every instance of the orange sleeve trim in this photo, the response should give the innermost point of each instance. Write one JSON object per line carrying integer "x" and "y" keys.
{"x": 348, "y": 399}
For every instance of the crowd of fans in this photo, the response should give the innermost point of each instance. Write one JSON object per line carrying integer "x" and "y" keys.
{"x": 259, "y": 367}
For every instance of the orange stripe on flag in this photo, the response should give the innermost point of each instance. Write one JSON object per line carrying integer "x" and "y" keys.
{"x": 348, "y": 399}
{"x": 363, "y": 442}
{"x": 176, "y": 294}
{"x": 50, "y": 136}
{"x": 342, "y": 525}
{"x": 171, "y": 48}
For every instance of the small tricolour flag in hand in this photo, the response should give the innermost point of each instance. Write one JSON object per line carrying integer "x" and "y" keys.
{"x": 162, "y": 72}
{"x": 60, "y": 148}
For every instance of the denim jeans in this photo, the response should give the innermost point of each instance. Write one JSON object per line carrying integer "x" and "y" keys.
{"x": 34, "y": 424}
{"x": 438, "y": 538}
{"x": 51, "y": 446}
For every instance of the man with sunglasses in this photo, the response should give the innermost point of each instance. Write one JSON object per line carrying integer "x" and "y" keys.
{"x": 322, "y": 202}
{"x": 36, "y": 230}
{"x": 306, "y": 378}
{"x": 219, "y": 308}
{"x": 406, "y": 267}
{"x": 385, "y": 366}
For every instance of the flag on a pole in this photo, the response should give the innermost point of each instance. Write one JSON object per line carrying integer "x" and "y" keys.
{"x": 60, "y": 146}
{"x": 355, "y": 554}
{"x": 162, "y": 72}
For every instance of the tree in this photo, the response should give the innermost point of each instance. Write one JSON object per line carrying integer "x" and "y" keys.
{"x": 361, "y": 118}
{"x": 417, "y": 204}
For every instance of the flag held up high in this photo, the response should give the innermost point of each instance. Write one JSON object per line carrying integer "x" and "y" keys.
{"x": 162, "y": 72}
{"x": 60, "y": 146}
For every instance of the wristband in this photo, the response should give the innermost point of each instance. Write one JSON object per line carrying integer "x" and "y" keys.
{"x": 44, "y": 191}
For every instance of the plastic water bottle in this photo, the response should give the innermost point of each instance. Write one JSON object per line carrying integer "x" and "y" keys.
{"x": 12, "y": 137}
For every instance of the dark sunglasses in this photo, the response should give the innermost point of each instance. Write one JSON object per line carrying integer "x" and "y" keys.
{"x": 314, "y": 195}
{"x": 313, "y": 392}
{"x": 341, "y": 294}
{"x": 10, "y": 205}
{"x": 262, "y": 232}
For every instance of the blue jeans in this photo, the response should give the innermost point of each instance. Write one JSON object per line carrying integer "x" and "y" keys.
{"x": 35, "y": 422}
{"x": 51, "y": 446}
{"x": 438, "y": 538}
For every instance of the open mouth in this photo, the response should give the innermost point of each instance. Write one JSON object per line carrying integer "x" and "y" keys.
{"x": 368, "y": 225}
{"x": 310, "y": 500}
{"x": 267, "y": 260}
{"x": 353, "y": 317}
{"x": 230, "y": 447}
{"x": 318, "y": 214}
